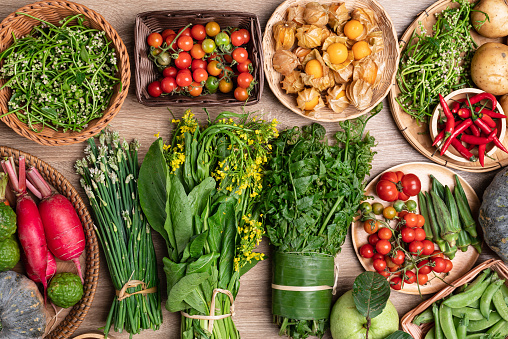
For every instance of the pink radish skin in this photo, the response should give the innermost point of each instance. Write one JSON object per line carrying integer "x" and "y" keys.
{"x": 50, "y": 270}
{"x": 62, "y": 226}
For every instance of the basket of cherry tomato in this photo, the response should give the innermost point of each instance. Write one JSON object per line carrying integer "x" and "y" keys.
{"x": 184, "y": 58}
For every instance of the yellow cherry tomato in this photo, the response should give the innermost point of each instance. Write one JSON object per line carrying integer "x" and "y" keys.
{"x": 313, "y": 67}
{"x": 361, "y": 49}
{"x": 353, "y": 29}
{"x": 212, "y": 29}
{"x": 341, "y": 94}
{"x": 225, "y": 85}
{"x": 389, "y": 213}
{"x": 309, "y": 105}
{"x": 337, "y": 53}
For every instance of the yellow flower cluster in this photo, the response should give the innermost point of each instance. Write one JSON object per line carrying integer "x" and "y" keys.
{"x": 250, "y": 233}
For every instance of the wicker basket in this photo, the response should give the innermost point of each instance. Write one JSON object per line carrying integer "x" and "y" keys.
{"x": 53, "y": 11}
{"x": 157, "y": 21}
{"x": 390, "y": 54}
{"x": 419, "y": 332}
{"x": 91, "y": 273}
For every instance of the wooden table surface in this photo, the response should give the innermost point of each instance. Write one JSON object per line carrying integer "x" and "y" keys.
{"x": 134, "y": 120}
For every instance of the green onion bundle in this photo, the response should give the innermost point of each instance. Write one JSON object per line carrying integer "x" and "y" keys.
{"x": 109, "y": 177}
{"x": 60, "y": 77}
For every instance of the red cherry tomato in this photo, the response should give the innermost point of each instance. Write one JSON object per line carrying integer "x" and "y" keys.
{"x": 154, "y": 89}
{"x": 198, "y": 64}
{"x": 185, "y": 43}
{"x": 169, "y": 71}
{"x": 168, "y": 84}
{"x": 197, "y": 51}
{"x": 416, "y": 247}
{"x": 396, "y": 283}
{"x": 439, "y": 265}
{"x": 409, "y": 277}
{"x": 420, "y": 235}
{"x": 398, "y": 257}
{"x": 379, "y": 264}
{"x": 237, "y": 38}
{"x": 240, "y": 54}
{"x": 402, "y": 214}
{"x": 422, "y": 279}
{"x": 367, "y": 251}
{"x": 198, "y": 32}
{"x": 385, "y": 273}
{"x": 423, "y": 267}
{"x": 437, "y": 254}
{"x": 389, "y": 262}
{"x": 154, "y": 40}
{"x": 384, "y": 233}
{"x": 183, "y": 61}
{"x": 186, "y": 31}
{"x": 166, "y": 33}
{"x": 370, "y": 226}
{"x": 185, "y": 70}
{"x": 229, "y": 72}
{"x": 411, "y": 220}
{"x": 244, "y": 80}
{"x": 171, "y": 41}
{"x": 200, "y": 75}
{"x": 428, "y": 246}
{"x": 195, "y": 89}
{"x": 245, "y": 66}
{"x": 378, "y": 256}
{"x": 183, "y": 79}
{"x": 408, "y": 235}
{"x": 246, "y": 35}
{"x": 241, "y": 94}
{"x": 383, "y": 246}
{"x": 421, "y": 220}
{"x": 449, "y": 266}
{"x": 411, "y": 184}
{"x": 373, "y": 239}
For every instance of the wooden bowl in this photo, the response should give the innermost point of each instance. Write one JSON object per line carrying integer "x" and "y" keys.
{"x": 419, "y": 332}
{"x": 157, "y": 21}
{"x": 462, "y": 262}
{"x": 438, "y": 113}
{"x": 53, "y": 11}
{"x": 390, "y": 55}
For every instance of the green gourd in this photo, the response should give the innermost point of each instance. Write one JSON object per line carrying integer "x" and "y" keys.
{"x": 22, "y": 313}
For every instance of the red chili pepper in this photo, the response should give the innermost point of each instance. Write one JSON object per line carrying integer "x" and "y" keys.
{"x": 475, "y": 130}
{"x": 450, "y": 121}
{"x": 463, "y": 150}
{"x": 481, "y": 154}
{"x": 480, "y": 96}
{"x": 470, "y": 147}
{"x": 488, "y": 120}
{"x": 464, "y": 113}
{"x": 471, "y": 139}
{"x": 487, "y": 130}
{"x": 490, "y": 113}
{"x": 460, "y": 128}
{"x": 456, "y": 105}
{"x": 441, "y": 134}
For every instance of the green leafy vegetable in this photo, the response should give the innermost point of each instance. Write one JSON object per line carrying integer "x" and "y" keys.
{"x": 370, "y": 292}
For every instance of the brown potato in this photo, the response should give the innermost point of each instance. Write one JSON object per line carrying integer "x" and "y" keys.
{"x": 503, "y": 101}
{"x": 489, "y": 68}
{"x": 497, "y": 25}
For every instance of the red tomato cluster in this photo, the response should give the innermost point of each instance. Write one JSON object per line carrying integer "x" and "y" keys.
{"x": 397, "y": 186}
{"x": 401, "y": 253}
{"x": 199, "y": 60}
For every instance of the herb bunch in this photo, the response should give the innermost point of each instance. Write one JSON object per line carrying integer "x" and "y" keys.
{"x": 436, "y": 62}
{"x": 61, "y": 77}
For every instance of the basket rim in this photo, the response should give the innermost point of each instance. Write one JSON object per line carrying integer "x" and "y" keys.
{"x": 273, "y": 87}
{"x": 124, "y": 73}
{"x": 92, "y": 257}
{"x": 182, "y": 100}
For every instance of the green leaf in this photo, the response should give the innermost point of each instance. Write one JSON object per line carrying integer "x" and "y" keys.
{"x": 370, "y": 292}
{"x": 399, "y": 335}
{"x": 174, "y": 271}
{"x": 80, "y": 77}
{"x": 198, "y": 197}
{"x": 197, "y": 244}
{"x": 84, "y": 54}
{"x": 246, "y": 268}
{"x": 50, "y": 111}
{"x": 180, "y": 213}
{"x": 182, "y": 289}
{"x": 153, "y": 184}
{"x": 203, "y": 264}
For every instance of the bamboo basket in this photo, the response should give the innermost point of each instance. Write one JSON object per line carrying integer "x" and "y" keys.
{"x": 419, "y": 332}
{"x": 417, "y": 133}
{"x": 390, "y": 54}
{"x": 53, "y": 11}
{"x": 75, "y": 317}
{"x": 157, "y": 21}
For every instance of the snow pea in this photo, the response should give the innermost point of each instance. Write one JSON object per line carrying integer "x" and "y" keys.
{"x": 469, "y": 296}
{"x": 462, "y": 328}
{"x": 500, "y": 329}
{"x": 430, "y": 334}
{"x": 471, "y": 313}
{"x": 446, "y": 320}
{"x": 438, "y": 332}
{"x": 424, "y": 317}
{"x": 475, "y": 326}
{"x": 486, "y": 299}
{"x": 475, "y": 304}
{"x": 500, "y": 304}
{"x": 476, "y": 336}
{"x": 478, "y": 280}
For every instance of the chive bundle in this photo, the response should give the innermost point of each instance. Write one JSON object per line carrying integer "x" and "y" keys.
{"x": 109, "y": 177}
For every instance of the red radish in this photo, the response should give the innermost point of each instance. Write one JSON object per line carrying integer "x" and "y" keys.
{"x": 62, "y": 226}
{"x": 30, "y": 228}
{"x": 50, "y": 270}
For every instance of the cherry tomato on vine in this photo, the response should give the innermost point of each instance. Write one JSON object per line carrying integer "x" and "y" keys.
{"x": 172, "y": 42}
{"x": 168, "y": 84}
{"x": 416, "y": 247}
{"x": 244, "y": 80}
{"x": 154, "y": 89}
{"x": 384, "y": 233}
{"x": 246, "y": 35}
{"x": 420, "y": 235}
{"x": 370, "y": 226}
{"x": 185, "y": 43}
{"x": 383, "y": 246}
{"x": 154, "y": 40}
{"x": 183, "y": 79}
{"x": 385, "y": 273}
{"x": 198, "y": 32}
{"x": 208, "y": 45}
{"x": 244, "y": 66}
{"x": 183, "y": 60}
{"x": 422, "y": 279}
{"x": 198, "y": 64}
{"x": 411, "y": 220}
{"x": 197, "y": 51}
{"x": 237, "y": 38}
{"x": 212, "y": 84}
{"x": 448, "y": 266}
{"x": 389, "y": 262}
{"x": 169, "y": 72}
{"x": 373, "y": 239}
{"x": 379, "y": 264}
{"x": 378, "y": 256}
{"x": 428, "y": 247}
{"x": 213, "y": 68}
{"x": 411, "y": 205}
{"x": 401, "y": 214}
{"x": 166, "y": 33}
{"x": 212, "y": 28}
{"x": 227, "y": 70}
{"x": 185, "y": 70}
{"x": 195, "y": 89}
{"x": 367, "y": 251}
{"x": 200, "y": 75}
{"x": 389, "y": 213}
{"x": 396, "y": 283}
{"x": 377, "y": 208}
{"x": 421, "y": 221}
{"x": 424, "y": 267}
{"x": 439, "y": 265}
{"x": 409, "y": 277}
{"x": 240, "y": 54}
{"x": 408, "y": 235}
{"x": 241, "y": 94}
{"x": 225, "y": 85}
{"x": 222, "y": 39}
{"x": 185, "y": 32}
{"x": 398, "y": 257}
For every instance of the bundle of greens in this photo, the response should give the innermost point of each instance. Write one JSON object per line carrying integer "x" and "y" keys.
{"x": 200, "y": 193}
{"x": 436, "y": 62}
{"x": 109, "y": 176}
{"x": 312, "y": 194}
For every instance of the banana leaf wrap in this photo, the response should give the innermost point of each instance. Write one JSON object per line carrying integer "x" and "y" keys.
{"x": 296, "y": 269}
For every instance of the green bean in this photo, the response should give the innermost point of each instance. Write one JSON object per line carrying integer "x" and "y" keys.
{"x": 423, "y": 318}
{"x": 438, "y": 331}
{"x": 446, "y": 320}
{"x": 499, "y": 329}
{"x": 469, "y": 296}
{"x": 471, "y": 313}
{"x": 479, "y": 325}
{"x": 462, "y": 328}
{"x": 500, "y": 304}
{"x": 486, "y": 299}
{"x": 430, "y": 334}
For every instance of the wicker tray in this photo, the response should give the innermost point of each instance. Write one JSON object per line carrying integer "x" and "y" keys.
{"x": 390, "y": 54}
{"x": 157, "y": 21}
{"x": 90, "y": 257}
{"x": 53, "y": 11}
{"x": 417, "y": 134}
{"x": 419, "y": 332}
